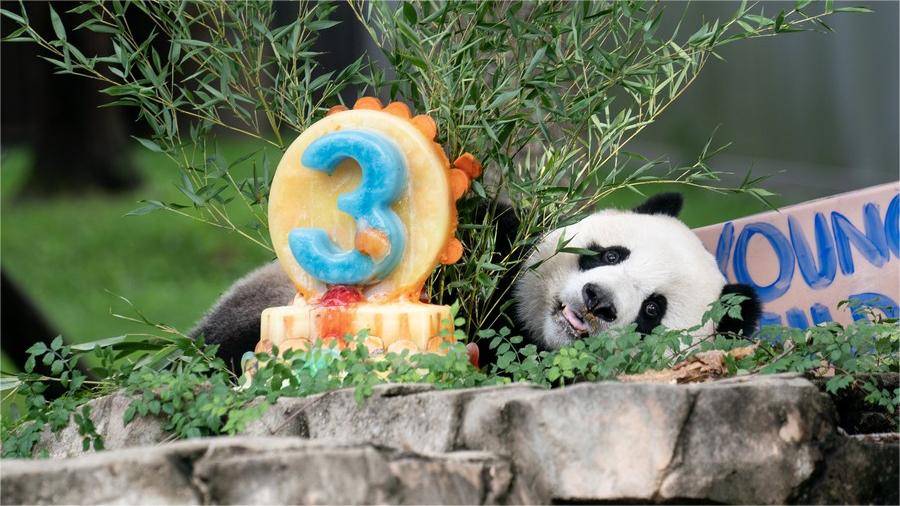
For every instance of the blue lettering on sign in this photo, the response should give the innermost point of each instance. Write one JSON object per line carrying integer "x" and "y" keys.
{"x": 892, "y": 225}
{"x": 872, "y": 245}
{"x": 723, "y": 248}
{"x": 796, "y": 318}
{"x": 384, "y": 178}
{"x": 833, "y": 246}
{"x": 820, "y": 313}
{"x": 861, "y": 301}
{"x": 783, "y": 253}
{"x": 824, "y": 275}
{"x": 768, "y": 319}
{"x": 769, "y": 327}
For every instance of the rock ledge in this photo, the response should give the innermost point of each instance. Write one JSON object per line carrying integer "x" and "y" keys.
{"x": 759, "y": 439}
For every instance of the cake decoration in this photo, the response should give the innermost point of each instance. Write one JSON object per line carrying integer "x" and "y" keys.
{"x": 361, "y": 210}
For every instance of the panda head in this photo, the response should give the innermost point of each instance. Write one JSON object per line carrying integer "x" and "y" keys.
{"x": 645, "y": 266}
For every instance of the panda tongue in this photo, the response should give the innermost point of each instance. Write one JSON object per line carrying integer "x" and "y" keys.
{"x": 573, "y": 319}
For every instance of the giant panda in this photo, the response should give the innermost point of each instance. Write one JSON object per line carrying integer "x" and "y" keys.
{"x": 645, "y": 267}
{"x": 640, "y": 266}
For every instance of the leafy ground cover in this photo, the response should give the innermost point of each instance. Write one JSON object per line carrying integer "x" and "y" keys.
{"x": 181, "y": 381}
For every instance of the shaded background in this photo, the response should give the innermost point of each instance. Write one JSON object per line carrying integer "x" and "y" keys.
{"x": 817, "y": 112}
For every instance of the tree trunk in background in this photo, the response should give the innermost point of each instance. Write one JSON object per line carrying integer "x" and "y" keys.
{"x": 76, "y": 145}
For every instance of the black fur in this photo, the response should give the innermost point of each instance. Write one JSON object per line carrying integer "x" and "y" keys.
{"x": 646, "y": 322}
{"x": 507, "y": 225}
{"x": 751, "y": 311}
{"x": 599, "y": 258}
{"x": 234, "y": 321}
{"x": 505, "y": 221}
{"x": 668, "y": 203}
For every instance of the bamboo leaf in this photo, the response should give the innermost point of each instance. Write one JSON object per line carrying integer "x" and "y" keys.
{"x": 147, "y": 143}
{"x": 57, "y": 23}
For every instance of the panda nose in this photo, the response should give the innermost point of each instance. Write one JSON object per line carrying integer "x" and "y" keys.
{"x": 598, "y": 302}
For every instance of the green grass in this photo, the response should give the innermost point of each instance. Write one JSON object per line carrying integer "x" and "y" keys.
{"x": 75, "y": 256}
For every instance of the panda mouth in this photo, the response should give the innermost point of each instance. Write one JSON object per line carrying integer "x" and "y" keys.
{"x": 574, "y": 320}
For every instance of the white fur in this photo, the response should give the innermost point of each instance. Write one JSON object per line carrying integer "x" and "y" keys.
{"x": 666, "y": 258}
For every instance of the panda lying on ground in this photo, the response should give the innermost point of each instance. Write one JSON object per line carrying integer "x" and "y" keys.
{"x": 647, "y": 268}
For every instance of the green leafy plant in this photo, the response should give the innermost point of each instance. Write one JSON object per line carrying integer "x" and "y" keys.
{"x": 196, "y": 395}
{"x": 852, "y": 355}
{"x": 549, "y": 94}
{"x": 39, "y": 412}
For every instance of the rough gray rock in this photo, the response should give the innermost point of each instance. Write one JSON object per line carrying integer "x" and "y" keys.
{"x": 751, "y": 440}
{"x": 758, "y": 439}
{"x": 257, "y": 471}
{"x": 134, "y": 476}
{"x": 605, "y": 441}
{"x": 409, "y": 417}
{"x": 856, "y": 470}
{"x": 108, "y": 414}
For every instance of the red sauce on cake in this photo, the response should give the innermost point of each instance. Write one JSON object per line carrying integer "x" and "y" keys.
{"x": 334, "y": 322}
{"x": 340, "y": 295}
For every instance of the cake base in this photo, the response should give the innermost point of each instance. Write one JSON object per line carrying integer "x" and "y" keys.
{"x": 392, "y": 327}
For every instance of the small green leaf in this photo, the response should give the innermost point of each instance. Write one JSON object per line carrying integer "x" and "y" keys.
{"x": 859, "y": 9}
{"x": 58, "y": 27}
{"x": 149, "y": 207}
{"x": 503, "y": 98}
{"x": 779, "y": 21}
{"x": 57, "y": 343}
{"x": 147, "y": 143}
{"x": 37, "y": 348}
{"x": 13, "y": 16}
{"x": 322, "y": 24}
{"x": 409, "y": 12}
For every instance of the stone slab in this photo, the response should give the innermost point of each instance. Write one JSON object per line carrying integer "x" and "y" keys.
{"x": 248, "y": 470}
{"x": 754, "y": 439}
{"x": 107, "y": 413}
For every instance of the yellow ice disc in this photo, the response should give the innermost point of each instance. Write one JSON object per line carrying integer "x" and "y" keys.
{"x": 304, "y": 198}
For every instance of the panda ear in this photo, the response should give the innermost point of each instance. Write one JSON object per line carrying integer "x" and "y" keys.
{"x": 751, "y": 310}
{"x": 668, "y": 203}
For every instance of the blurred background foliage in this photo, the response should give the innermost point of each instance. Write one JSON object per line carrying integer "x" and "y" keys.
{"x": 816, "y": 112}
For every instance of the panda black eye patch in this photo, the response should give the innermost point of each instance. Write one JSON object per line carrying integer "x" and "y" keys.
{"x": 652, "y": 311}
{"x": 601, "y": 256}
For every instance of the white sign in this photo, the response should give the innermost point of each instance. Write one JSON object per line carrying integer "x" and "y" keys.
{"x": 805, "y": 259}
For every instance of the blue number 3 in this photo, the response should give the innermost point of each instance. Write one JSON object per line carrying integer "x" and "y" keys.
{"x": 384, "y": 179}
